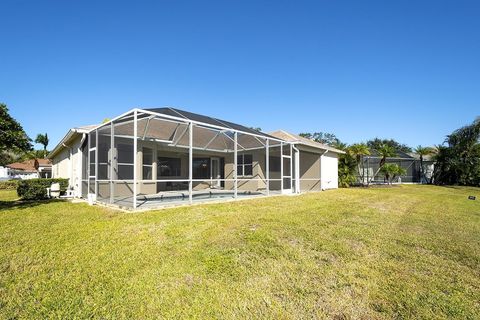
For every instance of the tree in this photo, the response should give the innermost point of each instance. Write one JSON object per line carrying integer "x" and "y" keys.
{"x": 340, "y": 145}
{"x": 7, "y": 157}
{"x": 458, "y": 162}
{"x": 358, "y": 151}
{"x": 347, "y": 168}
{"x": 12, "y": 136}
{"x": 385, "y": 151}
{"x": 422, "y": 152}
{"x": 391, "y": 171}
{"x": 34, "y": 154}
{"x": 397, "y": 146}
{"x": 43, "y": 140}
{"x": 322, "y": 137}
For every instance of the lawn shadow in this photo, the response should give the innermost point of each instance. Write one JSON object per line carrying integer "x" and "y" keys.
{"x": 463, "y": 188}
{"x": 25, "y": 204}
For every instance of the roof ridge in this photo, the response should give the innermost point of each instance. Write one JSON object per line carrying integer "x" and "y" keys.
{"x": 289, "y": 134}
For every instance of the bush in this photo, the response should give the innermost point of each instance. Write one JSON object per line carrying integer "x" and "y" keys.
{"x": 391, "y": 171}
{"x": 8, "y": 184}
{"x": 347, "y": 170}
{"x": 36, "y": 189}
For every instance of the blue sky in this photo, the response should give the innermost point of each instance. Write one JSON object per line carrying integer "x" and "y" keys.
{"x": 408, "y": 70}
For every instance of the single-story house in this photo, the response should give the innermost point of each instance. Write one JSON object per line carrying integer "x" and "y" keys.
{"x": 147, "y": 158}
{"x": 407, "y": 160}
{"x": 30, "y": 169}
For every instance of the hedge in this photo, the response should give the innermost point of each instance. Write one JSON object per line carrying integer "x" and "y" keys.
{"x": 8, "y": 185}
{"x": 36, "y": 189}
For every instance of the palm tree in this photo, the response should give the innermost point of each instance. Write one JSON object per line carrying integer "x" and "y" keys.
{"x": 340, "y": 145}
{"x": 423, "y": 151}
{"x": 391, "y": 171}
{"x": 359, "y": 150}
{"x": 43, "y": 140}
{"x": 385, "y": 151}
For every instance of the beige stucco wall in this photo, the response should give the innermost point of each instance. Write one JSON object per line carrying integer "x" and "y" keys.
{"x": 245, "y": 183}
{"x": 61, "y": 164}
{"x": 310, "y": 168}
{"x": 315, "y": 174}
{"x": 66, "y": 164}
{"x": 318, "y": 171}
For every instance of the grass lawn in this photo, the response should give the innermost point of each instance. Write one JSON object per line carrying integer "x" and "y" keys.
{"x": 400, "y": 252}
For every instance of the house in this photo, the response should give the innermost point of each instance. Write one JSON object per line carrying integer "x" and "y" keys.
{"x": 30, "y": 169}
{"x": 409, "y": 161}
{"x": 5, "y": 173}
{"x": 318, "y": 163}
{"x": 148, "y": 158}
{"x": 44, "y": 168}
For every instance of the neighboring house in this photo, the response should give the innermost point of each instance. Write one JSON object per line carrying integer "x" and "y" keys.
{"x": 409, "y": 161}
{"x": 44, "y": 168}
{"x": 148, "y": 158}
{"x": 428, "y": 167}
{"x": 30, "y": 169}
{"x": 5, "y": 173}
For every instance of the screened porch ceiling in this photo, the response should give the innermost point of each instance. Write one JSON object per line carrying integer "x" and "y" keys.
{"x": 209, "y": 134}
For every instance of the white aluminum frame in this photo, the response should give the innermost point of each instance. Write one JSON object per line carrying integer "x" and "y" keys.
{"x": 134, "y": 113}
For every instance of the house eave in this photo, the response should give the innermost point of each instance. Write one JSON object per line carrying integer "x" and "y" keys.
{"x": 65, "y": 141}
{"x": 314, "y": 149}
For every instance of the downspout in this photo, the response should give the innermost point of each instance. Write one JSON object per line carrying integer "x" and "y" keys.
{"x": 297, "y": 169}
{"x": 321, "y": 178}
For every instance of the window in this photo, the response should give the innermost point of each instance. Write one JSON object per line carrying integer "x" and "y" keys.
{"x": 244, "y": 165}
{"x": 168, "y": 167}
{"x": 201, "y": 168}
{"x": 147, "y": 164}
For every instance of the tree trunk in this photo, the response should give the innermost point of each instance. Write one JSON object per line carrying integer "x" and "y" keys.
{"x": 381, "y": 163}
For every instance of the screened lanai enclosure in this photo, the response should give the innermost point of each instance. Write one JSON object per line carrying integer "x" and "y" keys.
{"x": 149, "y": 158}
{"x": 370, "y": 166}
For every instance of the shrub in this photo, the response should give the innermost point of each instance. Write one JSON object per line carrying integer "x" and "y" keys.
{"x": 8, "y": 184}
{"x": 347, "y": 170}
{"x": 391, "y": 171}
{"x": 36, "y": 189}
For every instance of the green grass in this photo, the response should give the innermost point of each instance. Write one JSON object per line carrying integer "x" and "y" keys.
{"x": 400, "y": 252}
{"x": 7, "y": 195}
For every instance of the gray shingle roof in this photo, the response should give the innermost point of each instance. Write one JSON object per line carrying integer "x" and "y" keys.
{"x": 291, "y": 137}
{"x": 206, "y": 119}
